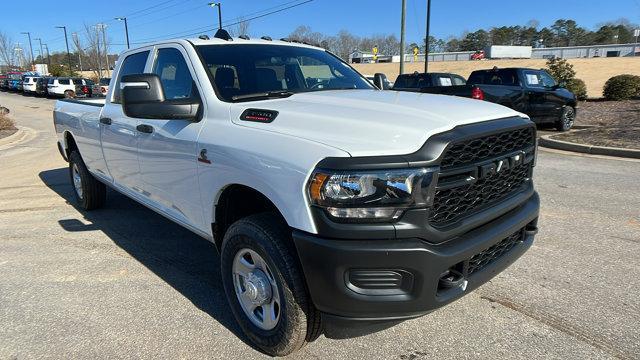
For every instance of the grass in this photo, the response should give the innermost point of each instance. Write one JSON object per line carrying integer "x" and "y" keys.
{"x": 595, "y": 72}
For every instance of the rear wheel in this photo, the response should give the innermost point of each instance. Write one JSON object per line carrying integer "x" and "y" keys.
{"x": 265, "y": 286}
{"x": 565, "y": 123}
{"x": 89, "y": 192}
{"x": 69, "y": 94}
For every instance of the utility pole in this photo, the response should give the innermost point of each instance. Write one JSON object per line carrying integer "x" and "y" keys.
{"x": 41, "y": 52}
{"x": 219, "y": 5}
{"x": 103, "y": 28}
{"x": 126, "y": 28}
{"x": 98, "y": 51}
{"x": 404, "y": 10}
{"x": 66, "y": 41}
{"x": 426, "y": 39}
{"x": 46, "y": 47}
{"x": 636, "y": 32}
{"x": 30, "y": 47}
{"x": 76, "y": 41}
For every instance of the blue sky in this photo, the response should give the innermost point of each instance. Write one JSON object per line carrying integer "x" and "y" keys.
{"x": 149, "y": 19}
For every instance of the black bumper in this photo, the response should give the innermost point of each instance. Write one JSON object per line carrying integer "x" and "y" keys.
{"x": 329, "y": 264}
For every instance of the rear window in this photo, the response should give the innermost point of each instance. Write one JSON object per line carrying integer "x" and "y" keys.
{"x": 412, "y": 81}
{"x": 105, "y": 81}
{"x": 77, "y": 81}
{"x": 64, "y": 81}
{"x": 506, "y": 77}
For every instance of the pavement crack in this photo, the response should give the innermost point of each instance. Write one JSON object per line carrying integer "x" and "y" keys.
{"x": 561, "y": 325}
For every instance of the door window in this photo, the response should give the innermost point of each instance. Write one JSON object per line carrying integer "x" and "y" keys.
{"x": 174, "y": 74}
{"x": 458, "y": 80}
{"x": 132, "y": 64}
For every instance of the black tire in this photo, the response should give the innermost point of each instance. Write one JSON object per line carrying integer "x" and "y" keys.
{"x": 567, "y": 118}
{"x": 69, "y": 94}
{"x": 94, "y": 193}
{"x": 270, "y": 237}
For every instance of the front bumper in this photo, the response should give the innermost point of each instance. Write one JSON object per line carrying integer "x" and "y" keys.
{"x": 328, "y": 263}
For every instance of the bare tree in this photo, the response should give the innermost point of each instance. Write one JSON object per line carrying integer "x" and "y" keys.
{"x": 242, "y": 28}
{"x": 93, "y": 50}
{"x": 7, "y": 55}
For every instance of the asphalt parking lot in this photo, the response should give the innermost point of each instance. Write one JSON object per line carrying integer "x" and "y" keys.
{"x": 123, "y": 282}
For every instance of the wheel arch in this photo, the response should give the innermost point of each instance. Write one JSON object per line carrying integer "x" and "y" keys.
{"x": 236, "y": 201}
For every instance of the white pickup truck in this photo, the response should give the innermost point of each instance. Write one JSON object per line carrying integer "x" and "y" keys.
{"x": 335, "y": 207}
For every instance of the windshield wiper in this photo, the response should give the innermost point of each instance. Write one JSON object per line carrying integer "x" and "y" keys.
{"x": 264, "y": 95}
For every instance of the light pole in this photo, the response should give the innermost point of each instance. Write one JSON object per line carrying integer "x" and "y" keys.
{"x": 426, "y": 39}
{"x": 30, "y": 47}
{"x": 404, "y": 10}
{"x": 66, "y": 40}
{"x": 103, "y": 27}
{"x": 219, "y": 5}
{"x": 126, "y": 28}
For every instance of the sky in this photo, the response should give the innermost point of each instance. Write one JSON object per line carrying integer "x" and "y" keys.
{"x": 161, "y": 19}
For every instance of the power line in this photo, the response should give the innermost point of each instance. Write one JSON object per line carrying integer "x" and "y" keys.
{"x": 199, "y": 30}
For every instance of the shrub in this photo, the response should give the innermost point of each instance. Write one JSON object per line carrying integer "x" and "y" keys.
{"x": 577, "y": 87}
{"x": 6, "y": 123}
{"x": 560, "y": 69}
{"x": 622, "y": 87}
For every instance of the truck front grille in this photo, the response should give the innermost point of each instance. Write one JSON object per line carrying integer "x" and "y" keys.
{"x": 454, "y": 203}
{"x": 487, "y": 147}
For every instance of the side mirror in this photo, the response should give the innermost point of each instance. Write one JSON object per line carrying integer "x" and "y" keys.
{"x": 379, "y": 80}
{"x": 143, "y": 97}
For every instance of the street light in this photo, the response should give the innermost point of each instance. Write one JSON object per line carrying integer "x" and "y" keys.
{"x": 30, "y": 47}
{"x": 126, "y": 28}
{"x": 46, "y": 47}
{"x": 219, "y": 5}
{"x": 66, "y": 40}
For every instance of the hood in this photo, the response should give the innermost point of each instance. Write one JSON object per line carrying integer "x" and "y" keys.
{"x": 370, "y": 122}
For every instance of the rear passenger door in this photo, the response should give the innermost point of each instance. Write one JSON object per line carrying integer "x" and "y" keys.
{"x": 167, "y": 152}
{"x": 537, "y": 91}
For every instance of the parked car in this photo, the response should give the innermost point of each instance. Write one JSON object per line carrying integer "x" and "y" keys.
{"x": 334, "y": 205}
{"x": 102, "y": 87}
{"x": 84, "y": 87}
{"x": 64, "y": 86}
{"x": 530, "y": 91}
{"x": 29, "y": 84}
{"x": 418, "y": 81}
{"x": 14, "y": 82}
{"x": 3, "y": 82}
{"x": 478, "y": 55}
{"x": 41, "y": 86}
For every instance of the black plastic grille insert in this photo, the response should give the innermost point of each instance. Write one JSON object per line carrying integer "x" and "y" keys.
{"x": 487, "y": 256}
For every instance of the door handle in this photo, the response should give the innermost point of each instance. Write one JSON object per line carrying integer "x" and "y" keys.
{"x": 145, "y": 128}
{"x": 105, "y": 120}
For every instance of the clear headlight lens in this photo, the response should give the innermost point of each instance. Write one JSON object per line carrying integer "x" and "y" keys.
{"x": 379, "y": 195}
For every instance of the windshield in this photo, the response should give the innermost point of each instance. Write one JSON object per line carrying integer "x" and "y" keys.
{"x": 240, "y": 70}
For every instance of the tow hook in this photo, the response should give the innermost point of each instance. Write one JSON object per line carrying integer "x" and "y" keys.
{"x": 452, "y": 279}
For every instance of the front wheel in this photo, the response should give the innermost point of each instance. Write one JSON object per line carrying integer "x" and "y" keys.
{"x": 566, "y": 119}
{"x": 89, "y": 192}
{"x": 265, "y": 286}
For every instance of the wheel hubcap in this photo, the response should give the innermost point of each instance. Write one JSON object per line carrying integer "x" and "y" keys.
{"x": 77, "y": 180}
{"x": 568, "y": 118}
{"x": 256, "y": 289}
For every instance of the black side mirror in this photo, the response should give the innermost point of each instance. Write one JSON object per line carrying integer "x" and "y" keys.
{"x": 379, "y": 80}
{"x": 143, "y": 97}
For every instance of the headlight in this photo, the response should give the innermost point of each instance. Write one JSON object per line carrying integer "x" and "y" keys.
{"x": 380, "y": 195}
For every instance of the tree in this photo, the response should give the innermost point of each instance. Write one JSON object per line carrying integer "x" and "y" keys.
{"x": 561, "y": 69}
{"x": 7, "y": 55}
{"x": 475, "y": 41}
{"x": 61, "y": 70}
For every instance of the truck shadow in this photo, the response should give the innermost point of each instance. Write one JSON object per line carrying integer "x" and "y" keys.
{"x": 187, "y": 262}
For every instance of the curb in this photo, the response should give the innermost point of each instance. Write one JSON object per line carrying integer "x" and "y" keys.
{"x": 23, "y": 134}
{"x": 548, "y": 142}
